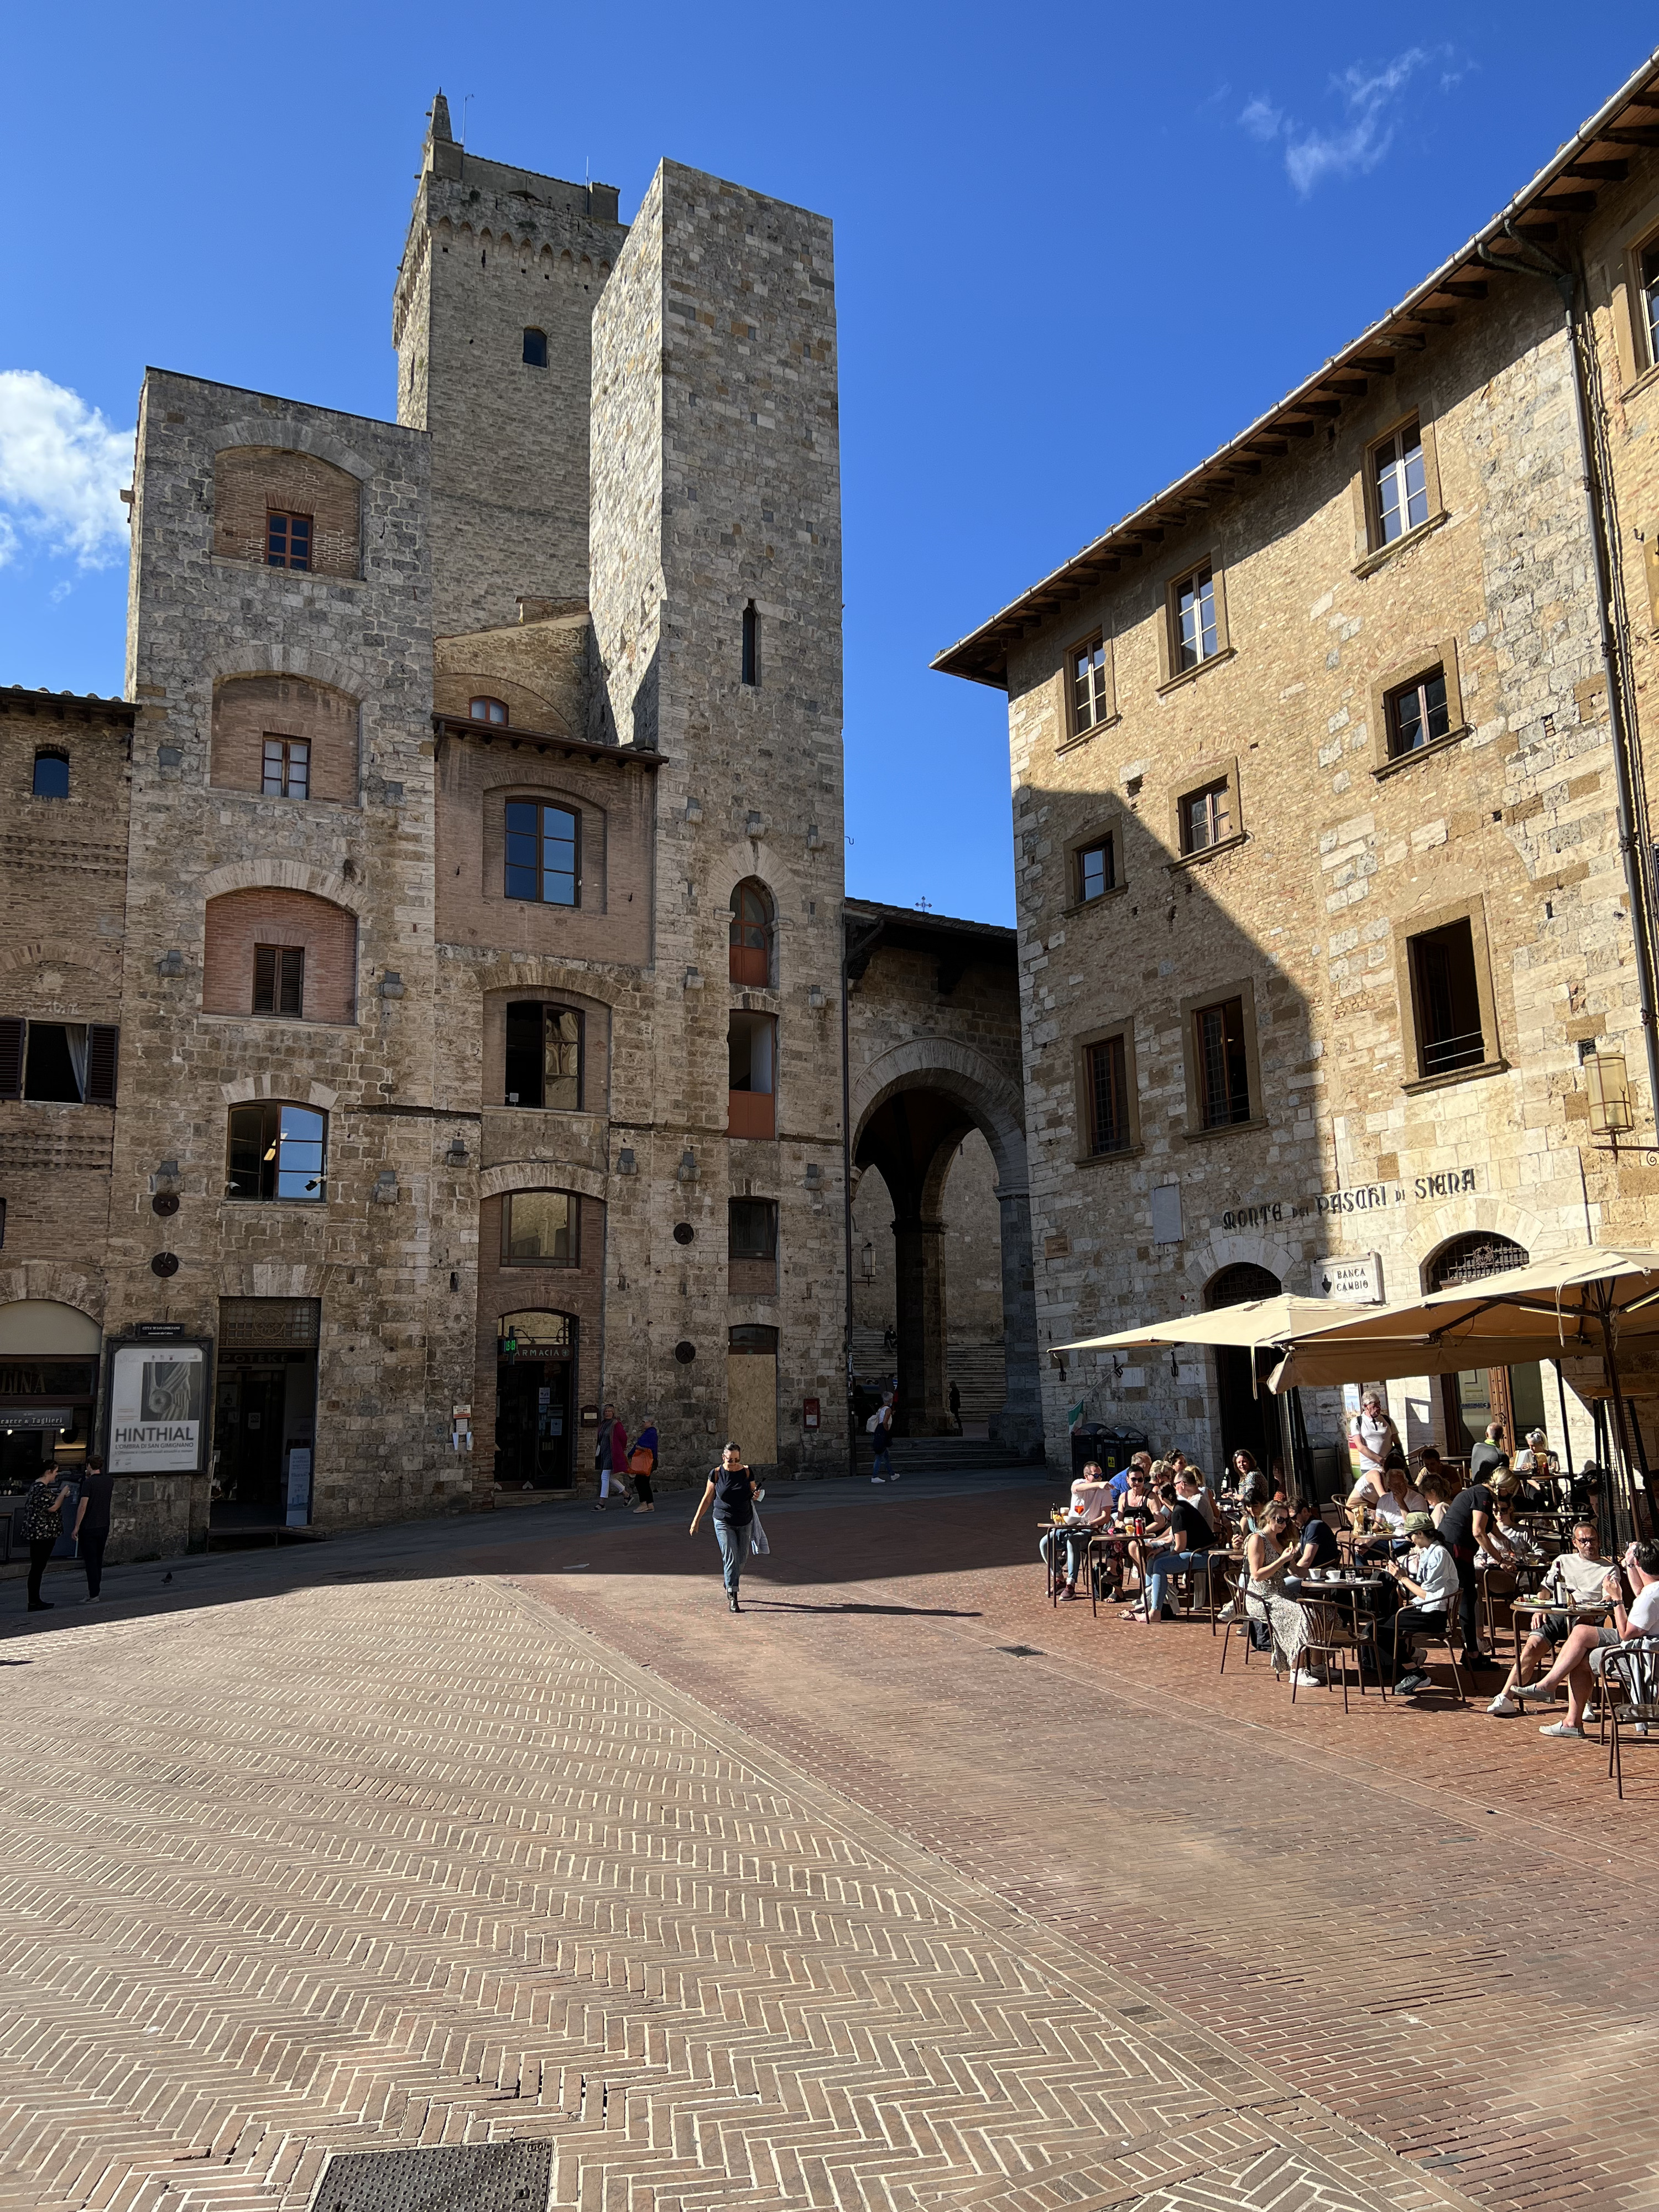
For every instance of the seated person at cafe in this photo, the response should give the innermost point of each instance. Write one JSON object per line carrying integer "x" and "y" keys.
{"x": 1583, "y": 1655}
{"x": 1388, "y": 1497}
{"x": 1539, "y": 1472}
{"x": 1190, "y": 1539}
{"x": 1524, "y": 1550}
{"x": 1429, "y": 1462}
{"x": 1319, "y": 1544}
{"x": 1489, "y": 1454}
{"x": 1468, "y": 1523}
{"x": 1221, "y": 1529}
{"x": 1240, "y": 1468}
{"x": 1429, "y": 1578}
{"x": 1120, "y": 1482}
{"x": 1580, "y": 1576}
{"x": 1091, "y": 1504}
{"x": 1272, "y": 1551}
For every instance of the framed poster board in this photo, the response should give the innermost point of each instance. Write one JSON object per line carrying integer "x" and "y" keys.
{"x": 155, "y": 1401}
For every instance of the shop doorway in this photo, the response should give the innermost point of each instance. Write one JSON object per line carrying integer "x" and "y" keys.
{"x": 1249, "y": 1412}
{"x": 751, "y": 1392}
{"x": 535, "y": 1360}
{"x": 1513, "y": 1396}
{"x": 264, "y": 1424}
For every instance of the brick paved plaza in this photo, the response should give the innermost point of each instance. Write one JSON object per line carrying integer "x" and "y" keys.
{"x": 505, "y": 1829}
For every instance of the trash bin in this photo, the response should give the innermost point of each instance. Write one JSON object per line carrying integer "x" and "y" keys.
{"x": 1113, "y": 1448}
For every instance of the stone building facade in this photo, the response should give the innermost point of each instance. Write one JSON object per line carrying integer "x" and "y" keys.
{"x": 1333, "y": 850}
{"x": 427, "y": 1024}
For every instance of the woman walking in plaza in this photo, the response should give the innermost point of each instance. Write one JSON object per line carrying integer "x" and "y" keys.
{"x": 642, "y": 1464}
{"x": 730, "y": 1493}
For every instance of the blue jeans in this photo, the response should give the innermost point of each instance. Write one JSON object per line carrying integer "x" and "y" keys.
{"x": 1076, "y": 1542}
{"x": 732, "y": 1537}
{"x": 882, "y": 1464}
{"x": 1161, "y": 1566}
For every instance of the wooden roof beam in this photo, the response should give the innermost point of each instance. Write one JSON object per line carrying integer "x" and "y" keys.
{"x": 1603, "y": 172}
{"x": 1377, "y": 364}
{"x": 1630, "y": 134}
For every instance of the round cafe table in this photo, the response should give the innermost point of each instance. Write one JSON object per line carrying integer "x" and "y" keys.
{"x": 1352, "y": 1591}
{"x": 1595, "y": 1612}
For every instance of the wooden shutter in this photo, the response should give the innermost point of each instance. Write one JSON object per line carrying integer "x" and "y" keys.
{"x": 291, "y": 989}
{"x": 265, "y": 978}
{"x": 103, "y": 1053}
{"x": 13, "y": 1030}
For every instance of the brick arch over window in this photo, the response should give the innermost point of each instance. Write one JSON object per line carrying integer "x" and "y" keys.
{"x": 251, "y": 482}
{"x": 239, "y": 923}
{"x": 258, "y": 721}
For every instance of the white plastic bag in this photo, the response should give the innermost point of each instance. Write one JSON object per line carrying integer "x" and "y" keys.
{"x": 757, "y": 1544}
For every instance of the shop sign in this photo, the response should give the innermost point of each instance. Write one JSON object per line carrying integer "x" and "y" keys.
{"x": 156, "y": 1409}
{"x": 1356, "y": 1281}
{"x": 153, "y": 1329}
{"x": 52, "y": 1417}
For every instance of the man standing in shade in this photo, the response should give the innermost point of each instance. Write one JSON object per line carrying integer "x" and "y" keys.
{"x": 91, "y": 1530}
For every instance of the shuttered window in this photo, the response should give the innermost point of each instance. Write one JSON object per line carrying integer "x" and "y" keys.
{"x": 93, "y": 1086}
{"x": 103, "y": 1056}
{"x": 279, "y": 976}
{"x": 12, "y": 1034}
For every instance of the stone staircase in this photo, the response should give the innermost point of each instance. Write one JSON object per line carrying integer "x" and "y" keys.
{"x": 941, "y": 1455}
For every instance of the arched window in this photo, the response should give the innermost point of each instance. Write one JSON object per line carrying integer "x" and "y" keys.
{"x": 1471, "y": 1259}
{"x": 752, "y": 922}
{"x": 50, "y": 774}
{"x": 282, "y": 952}
{"x": 488, "y": 710}
{"x": 534, "y": 349}
{"x": 278, "y": 1150}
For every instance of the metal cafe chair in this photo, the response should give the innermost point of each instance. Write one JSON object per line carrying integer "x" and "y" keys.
{"x": 1338, "y": 1636}
{"x": 1241, "y": 1582}
{"x": 1630, "y": 1704}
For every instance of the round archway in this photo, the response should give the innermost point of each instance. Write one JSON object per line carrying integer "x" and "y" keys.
{"x": 48, "y": 1385}
{"x": 1512, "y": 1396}
{"x": 1236, "y": 1285}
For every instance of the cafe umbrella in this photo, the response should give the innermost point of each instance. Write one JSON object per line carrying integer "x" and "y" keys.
{"x": 1258, "y": 1326}
{"x": 1586, "y": 1304}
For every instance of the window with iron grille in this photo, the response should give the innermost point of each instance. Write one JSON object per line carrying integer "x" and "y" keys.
{"x": 1193, "y": 608}
{"x": 1471, "y": 1259}
{"x": 1106, "y": 1074}
{"x": 1096, "y": 870}
{"x": 543, "y": 1057}
{"x": 1206, "y": 817}
{"x": 1090, "y": 703}
{"x": 287, "y": 767}
{"x": 1446, "y": 1000}
{"x": 277, "y": 1150}
{"x": 1418, "y": 713}
{"x": 542, "y": 853}
{"x": 1400, "y": 490}
{"x": 288, "y": 540}
{"x": 279, "y": 979}
{"x": 1223, "y": 1065}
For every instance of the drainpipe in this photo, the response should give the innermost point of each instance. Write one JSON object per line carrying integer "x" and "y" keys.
{"x": 1634, "y": 840}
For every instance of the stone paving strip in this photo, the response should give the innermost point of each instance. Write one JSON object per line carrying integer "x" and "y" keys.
{"x": 388, "y": 1864}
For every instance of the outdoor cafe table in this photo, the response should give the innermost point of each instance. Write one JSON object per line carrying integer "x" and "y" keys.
{"x": 1358, "y": 1593}
{"x": 1595, "y": 1612}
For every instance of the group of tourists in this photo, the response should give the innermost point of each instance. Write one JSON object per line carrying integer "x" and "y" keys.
{"x": 626, "y": 1468}
{"x": 1425, "y": 1541}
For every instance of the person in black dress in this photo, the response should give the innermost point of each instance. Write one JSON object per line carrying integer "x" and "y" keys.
{"x": 91, "y": 1530}
{"x": 730, "y": 1493}
{"x": 1467, "y": 1524}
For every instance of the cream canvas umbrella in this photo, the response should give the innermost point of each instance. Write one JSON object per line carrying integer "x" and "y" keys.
{"x": 1255, "y": 1321}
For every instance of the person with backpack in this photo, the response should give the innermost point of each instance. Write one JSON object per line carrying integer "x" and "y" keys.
{"x": 880, "y": 1425}
{"x": 610, "y": 1459}
{"x": 730, "y": 1493}
{"x": 642, "y": 1464}
{"x": 43, "y": 1509}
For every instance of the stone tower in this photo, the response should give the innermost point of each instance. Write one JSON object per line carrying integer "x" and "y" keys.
{"x": 498, "y": 258}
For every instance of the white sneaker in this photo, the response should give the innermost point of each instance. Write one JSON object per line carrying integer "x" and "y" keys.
{"x": 894, "y": 1477}
{"x": 879, "y": 1478}
{"x": 1302, "y": 1680}
{"x": 1504, "y": 1707}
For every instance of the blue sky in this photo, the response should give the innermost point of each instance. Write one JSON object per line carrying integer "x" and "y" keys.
{"x": 1077, "y": 247}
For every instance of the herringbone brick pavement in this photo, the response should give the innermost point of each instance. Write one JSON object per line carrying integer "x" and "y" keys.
{"x": 387, "y": 1864}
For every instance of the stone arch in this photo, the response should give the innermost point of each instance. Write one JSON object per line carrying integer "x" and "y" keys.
{"x": 279, "y": 434}
{"x": 1204, "y": 1260}
{"x": 281, "y": 875}
{"x": 264, "y": 657}
{"x": 49, "y": 1282}
{"x": 1474, "y": 1216}
{"x": 992, "y": 1102}
{"x": 543, "y": 1175}
{"x": 547, "y": 973}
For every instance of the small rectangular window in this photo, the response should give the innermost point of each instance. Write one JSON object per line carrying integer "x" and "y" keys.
{"x": 752, "y": 1229}
{"x": 1206, "y": 817}
{"x": 534, "y": 349}
{"x": 288, "y": 540}
{"x": 1088, "y": 684}
{"x": 52, "y": 774}
{"x": 1224, "y": 1073}
{"x": 543, "y": 1057}
{"x": 287, "y": 769}
{"x": 1399, "y": 484}
{"x": 1096, "y": 870}
{"x": 538, "y": 1229}
{"x": 279, "y": 978}
{"x": 751, "y": 1053}
{"x": 541, "y": 853}
{"x": 1446, "y": 997}
{"x": 1106, "y": 1074}
{"x": 1196, "y": 634}
{"x": 751, "y": 644}
{"x": 1418, "y": 713}
{"x": 55, "y": 1066}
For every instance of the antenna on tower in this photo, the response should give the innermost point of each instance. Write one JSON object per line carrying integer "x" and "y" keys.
{"x": 465, "y": 104}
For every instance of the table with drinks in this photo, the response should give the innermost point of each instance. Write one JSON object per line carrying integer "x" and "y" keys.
{"x": 1357, "y": 1588}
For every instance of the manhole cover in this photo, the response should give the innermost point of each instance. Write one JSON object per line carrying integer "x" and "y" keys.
{"x": 509, "y": 2176}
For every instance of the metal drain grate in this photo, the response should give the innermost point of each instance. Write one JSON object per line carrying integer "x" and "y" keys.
{"x": 507, "y": 2176}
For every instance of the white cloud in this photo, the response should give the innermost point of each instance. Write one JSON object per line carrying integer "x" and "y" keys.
{"x": 1353, "y": 147}
{"x": 62, "y": 468}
